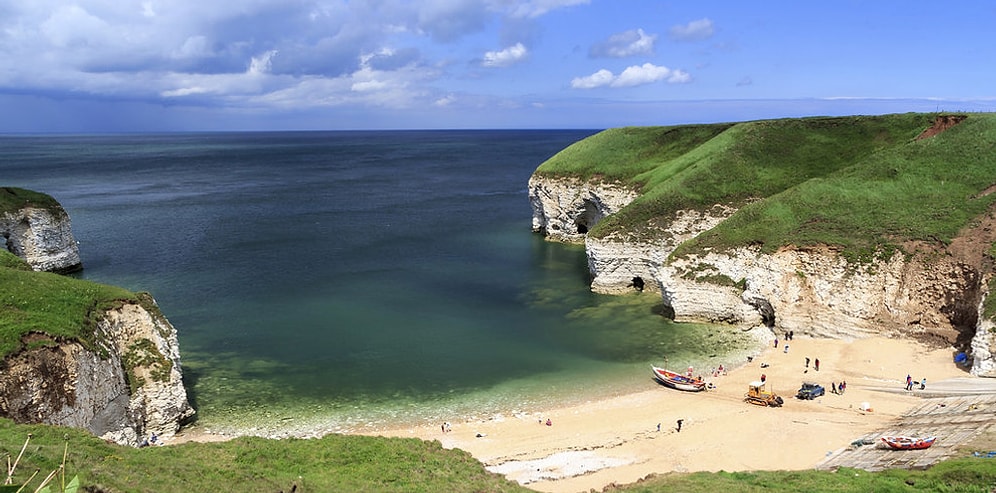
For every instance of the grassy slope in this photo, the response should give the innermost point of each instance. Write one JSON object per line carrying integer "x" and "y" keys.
{"x": 48, "y": 303}
{"x": 333, "y": 463}
{"x": 853, "y": 182}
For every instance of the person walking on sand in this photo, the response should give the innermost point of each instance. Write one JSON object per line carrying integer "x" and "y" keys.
{"x": 909, "y": 382}
{"x": 816, "y": 364}
{"x": 923, "y": 383}
{"x": 842, "y": 386}
{"x": 833, "y": 387}
{"x": 807, "y": 362}
{"x": 776, "y": 343}
{"x": 679, "y": 425}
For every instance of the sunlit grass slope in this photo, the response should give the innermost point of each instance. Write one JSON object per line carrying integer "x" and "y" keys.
{"x": 861, "y": 183}
{"x": 246, "y": 465}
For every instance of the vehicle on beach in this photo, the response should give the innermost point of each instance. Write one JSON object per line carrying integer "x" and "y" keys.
{"x": 678, "y": 381}
{"x": 810, "y": 391}
{"x": 759, "y": 396}
{"x": 908, "y": 443}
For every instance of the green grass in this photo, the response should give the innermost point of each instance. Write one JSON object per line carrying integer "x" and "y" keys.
{"x": 860, "y": 184}
{"x": 16, "y": 198}
{"x": 61, "y": 307}
{"x": 245, "y": 465}
{"x": 968, "y": 475}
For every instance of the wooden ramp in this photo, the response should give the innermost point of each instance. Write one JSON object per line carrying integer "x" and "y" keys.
{"x": 953, "y": 420}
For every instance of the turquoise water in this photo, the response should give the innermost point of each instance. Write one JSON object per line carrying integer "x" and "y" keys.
{"x": 331, "y": 281}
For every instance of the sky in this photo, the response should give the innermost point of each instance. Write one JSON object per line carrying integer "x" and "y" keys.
{"x": 211, "y": 65}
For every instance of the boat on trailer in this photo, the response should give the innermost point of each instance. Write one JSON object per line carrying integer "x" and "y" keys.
{"x": 678, "y": 381}
{"x": 908, "y": 443}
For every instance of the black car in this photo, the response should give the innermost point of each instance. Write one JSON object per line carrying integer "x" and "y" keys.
{"x": 810, "y": 391}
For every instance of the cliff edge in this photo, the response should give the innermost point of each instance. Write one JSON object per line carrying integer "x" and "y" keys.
{"x": 76, "y": 353}
{"x": 780, "y": 224}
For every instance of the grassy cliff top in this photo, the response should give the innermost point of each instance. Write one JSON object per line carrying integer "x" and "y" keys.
{"x": 860, "y": 183}
{"x": 45, "y": 303}
{"x": 13, "y": 199}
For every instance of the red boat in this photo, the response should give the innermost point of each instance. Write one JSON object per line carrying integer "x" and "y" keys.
{"x": 678, "y": 381}
{"x": 908, "y": 443}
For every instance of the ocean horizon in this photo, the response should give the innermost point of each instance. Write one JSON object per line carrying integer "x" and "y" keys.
{"x": 341, "y": 281}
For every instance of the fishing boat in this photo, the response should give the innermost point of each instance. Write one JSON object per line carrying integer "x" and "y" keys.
{"x": 677, "y": 380}
{"x": 908, "y": 443}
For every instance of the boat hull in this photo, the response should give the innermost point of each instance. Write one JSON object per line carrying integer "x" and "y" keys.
{"x": 908, "y": 443}
{"x": 677, "y": 381}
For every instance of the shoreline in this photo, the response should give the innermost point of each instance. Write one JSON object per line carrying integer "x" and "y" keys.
{"x": 616, "y": 440}
{"x": 597, "y": 442}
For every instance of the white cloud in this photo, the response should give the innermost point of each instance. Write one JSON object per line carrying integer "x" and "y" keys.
{"x": 506, "y": 57}
{"x": 536, "y": 8}
{"x": 598, "y": 79}
{"x": 625, "y": 44}
{"x": 693, "y": 31}
{"x": 262, "y": 64}
{"x": 635, "y": 75}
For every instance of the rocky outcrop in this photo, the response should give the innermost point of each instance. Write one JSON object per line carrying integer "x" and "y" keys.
{"x": 566, "y": 209}
{"x": 620, "y": 265}
{"x": 932, "y": 294}
{"x": 819, "y": 293}
{"x": 43, "y": 237}
{"x": 124, "y": 388}
{"x": 984, "y": 349}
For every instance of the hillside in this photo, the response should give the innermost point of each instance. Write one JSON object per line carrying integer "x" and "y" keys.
{"x": 859, "y": 184}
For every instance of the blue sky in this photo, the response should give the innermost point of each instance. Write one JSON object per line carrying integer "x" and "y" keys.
{"x": 186, "y": 65}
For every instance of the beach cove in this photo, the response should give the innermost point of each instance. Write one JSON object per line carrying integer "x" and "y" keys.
{"x": 616, "y": 440}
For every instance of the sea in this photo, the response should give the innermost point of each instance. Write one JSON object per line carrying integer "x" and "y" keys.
{"x": 338, "y": 282}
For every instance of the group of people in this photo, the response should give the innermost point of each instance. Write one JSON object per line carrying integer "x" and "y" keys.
{"x": 838, "y": 389}
{"x": 816, "y": 364}
{"x": 910, "y": 383}
{"x": 679, "y": 422}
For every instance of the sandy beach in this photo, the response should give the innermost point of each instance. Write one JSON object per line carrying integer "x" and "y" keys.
{"x": 617, "y": 440}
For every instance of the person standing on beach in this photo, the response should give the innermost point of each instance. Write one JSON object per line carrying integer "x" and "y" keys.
{"x": 909, "y": 382}
{"x": 923, "y": 383}
{"x": 679, "y": 425}
{"x": 816, "y": 364}
{"x": 807, "y": 362}
{"x": 776, "y": 343}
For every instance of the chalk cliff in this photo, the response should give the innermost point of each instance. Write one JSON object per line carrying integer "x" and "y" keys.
{"x": 125, "y": 388}
{"x": 933, "y": 294}
{"x": 42, "y": 236}
{"x": 124, "y": 383}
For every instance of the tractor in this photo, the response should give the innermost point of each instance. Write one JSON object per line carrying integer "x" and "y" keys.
{"x": 757, "y": 395}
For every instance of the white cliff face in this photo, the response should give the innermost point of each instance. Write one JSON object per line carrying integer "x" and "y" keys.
{"x": 818, "y": 293}
{"x": 615, "y": 262}
{"x": 42, "y": 237}
{"x": 566, "y": 209}
{"x": 813, "y": 292}
{"x": 984, "y": 349}
{"x": 129, "y": 387}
